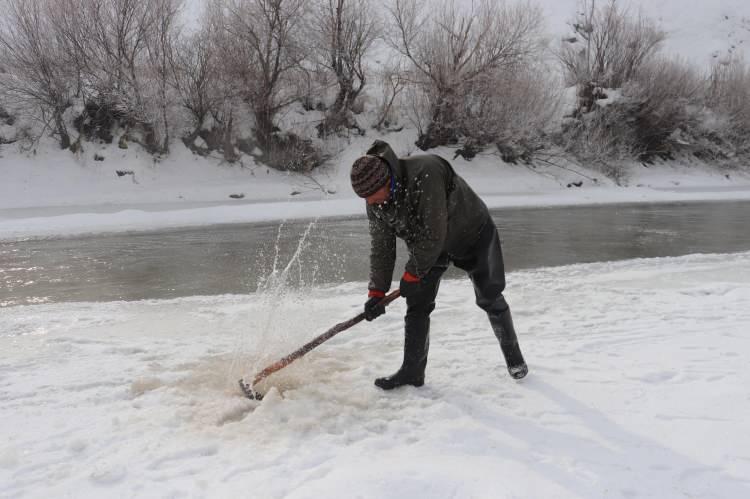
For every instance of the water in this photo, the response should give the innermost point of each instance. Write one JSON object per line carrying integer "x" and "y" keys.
{"x": 237, "y": 258}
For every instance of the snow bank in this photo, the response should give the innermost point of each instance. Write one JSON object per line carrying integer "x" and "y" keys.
{"x": 638, "y": 387}
{"x": 53, "y": 195}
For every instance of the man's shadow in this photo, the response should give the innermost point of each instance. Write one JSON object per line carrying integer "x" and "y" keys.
{"x": 608, "y": 458}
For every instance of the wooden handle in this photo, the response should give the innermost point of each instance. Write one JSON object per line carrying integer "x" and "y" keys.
{"x": 307, "y": 347}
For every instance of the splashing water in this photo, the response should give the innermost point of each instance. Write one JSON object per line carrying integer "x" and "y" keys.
{"x": 282, "y": 322}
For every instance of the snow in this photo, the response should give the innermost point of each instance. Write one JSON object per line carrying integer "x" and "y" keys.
{"x": 52, "y": 194}
{"x": 46, "y": 193}
{"x": 637, "y": 384}
{"x": 637, "y": 388}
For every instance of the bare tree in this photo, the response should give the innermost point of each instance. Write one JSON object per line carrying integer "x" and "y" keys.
{"x": 345, "y": 30}
{"x": 117, "y": 40}
{"x": 35, "y": 74}
{"x": 455, "y": 46}
{"x": 195, "y": 66}
{"x": 393, "y": 81}
{"x": 161, "y": 43}
{"x": 613, "y": 44}
{"x": 262, "y": 43}
{"x": 729, "y": 94}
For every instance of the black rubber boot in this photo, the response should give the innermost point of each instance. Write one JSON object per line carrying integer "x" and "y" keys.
{"x": 416, "y": 346}
{"x": 502, "y": 325}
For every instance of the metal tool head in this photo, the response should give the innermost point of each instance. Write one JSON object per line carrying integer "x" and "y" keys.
{"x": 249, "y": 392}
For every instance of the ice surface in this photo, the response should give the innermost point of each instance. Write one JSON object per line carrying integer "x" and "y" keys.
{"x": 637, "y": 388}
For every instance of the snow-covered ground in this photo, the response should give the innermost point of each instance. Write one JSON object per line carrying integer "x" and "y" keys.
{"x": 638, "y": 388}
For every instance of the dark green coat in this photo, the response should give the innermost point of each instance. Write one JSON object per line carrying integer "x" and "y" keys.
{"x": 431, "y": 208}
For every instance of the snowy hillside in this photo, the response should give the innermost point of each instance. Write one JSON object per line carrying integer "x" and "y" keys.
{"x": 637, "y": 388}
{"x": 103, "y": 188}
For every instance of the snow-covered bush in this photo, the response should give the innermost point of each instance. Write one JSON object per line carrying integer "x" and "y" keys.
{"x": 664, "y": 97}
{"x": 512, "y": 110}
{"x": 456, "y": 49}
{"x": 642, "y": 120}
{"x": 729, "y": 100}
{"x": 632, "y": 104}
{"x": 206, "y": 91}
{"x": 607, "y": 49}
{"x": 113, "y": 56}
{"x": 392, "y": 81}
{"x": 7, "y": 130}
{"x": 290, "y": 152}
{"x": 36, "y": 75}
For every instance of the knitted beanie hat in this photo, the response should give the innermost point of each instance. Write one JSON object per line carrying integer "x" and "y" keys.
{"x": 369, "y": 173}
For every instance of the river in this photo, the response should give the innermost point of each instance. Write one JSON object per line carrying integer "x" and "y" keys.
{"x": 238, "y": 258}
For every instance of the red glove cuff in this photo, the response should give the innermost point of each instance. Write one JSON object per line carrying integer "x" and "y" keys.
{"x": 376, "y": 293}
{"x": 409, "y": 277}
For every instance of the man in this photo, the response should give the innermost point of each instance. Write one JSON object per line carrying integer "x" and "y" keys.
{"x": 423, "y": 201}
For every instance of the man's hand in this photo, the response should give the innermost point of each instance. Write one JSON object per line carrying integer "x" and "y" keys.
{"x": 373, "y": 307}
{"x": 410, "y": 285}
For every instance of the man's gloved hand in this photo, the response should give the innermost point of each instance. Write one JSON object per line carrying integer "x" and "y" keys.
{"x": 373, "y": 307}
{"x": 410, "y": 285}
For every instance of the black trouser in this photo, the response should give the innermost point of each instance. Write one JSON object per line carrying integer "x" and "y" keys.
{"x": 483, "y": 262}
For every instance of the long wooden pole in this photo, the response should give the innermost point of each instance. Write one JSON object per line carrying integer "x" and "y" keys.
{"x": 307, "y": 347}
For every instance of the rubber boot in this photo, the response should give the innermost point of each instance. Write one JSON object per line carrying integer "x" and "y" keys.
{"x": 416, "y": 346}
{"x": 502, "y": 325}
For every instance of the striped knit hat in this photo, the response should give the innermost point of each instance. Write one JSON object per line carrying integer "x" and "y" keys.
{"x": 369, "y": 173}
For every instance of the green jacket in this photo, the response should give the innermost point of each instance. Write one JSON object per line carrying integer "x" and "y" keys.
{"x": 431, "y": 208}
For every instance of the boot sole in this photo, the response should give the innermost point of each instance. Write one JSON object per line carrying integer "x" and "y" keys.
{"x": 389, "y": 387}
{"x": 518, "y": 372}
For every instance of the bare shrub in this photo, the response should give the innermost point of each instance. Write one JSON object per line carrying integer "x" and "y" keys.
{"x": 204, "y": 87}
{"x": 609, "y": 46}
{"x": 452, "y": 48}
{"x": 602, "y": 140}
{"x": 290, "y": 152}
{"x": 344, "y": 33}
{"x": 417, "y": 104}
{"x": 642, "y": 121}
{"x": 113, "y": 35}
{"x": 663, "y": 97}
{"x": 512, "y": 110}
{"x": 729, "y": 97}
{"x": 122, "y": 51}
{"x": 36, "y": 77}
{"x": 392, "y": 82}
{"x": 161, "y": 42}
{"x": 195, "y": 68}
{"x": 263, "y": 52}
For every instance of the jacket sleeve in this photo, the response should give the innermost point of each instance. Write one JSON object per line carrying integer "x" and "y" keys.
{"x": 382, "y": 253}
{"x": 432, "y": 212}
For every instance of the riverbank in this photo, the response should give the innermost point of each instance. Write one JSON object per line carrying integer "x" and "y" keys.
{"x": 50, "y": 195}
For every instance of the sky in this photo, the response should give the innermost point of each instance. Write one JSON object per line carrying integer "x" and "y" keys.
{"x": 697, "y": 30}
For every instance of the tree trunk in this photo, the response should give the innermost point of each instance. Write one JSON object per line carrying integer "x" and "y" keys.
{"x": 62, "y": 131}
{"x": 264, "y": 126}
{"x": 443, "y": 128}
{"x": 229, "y": 154}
